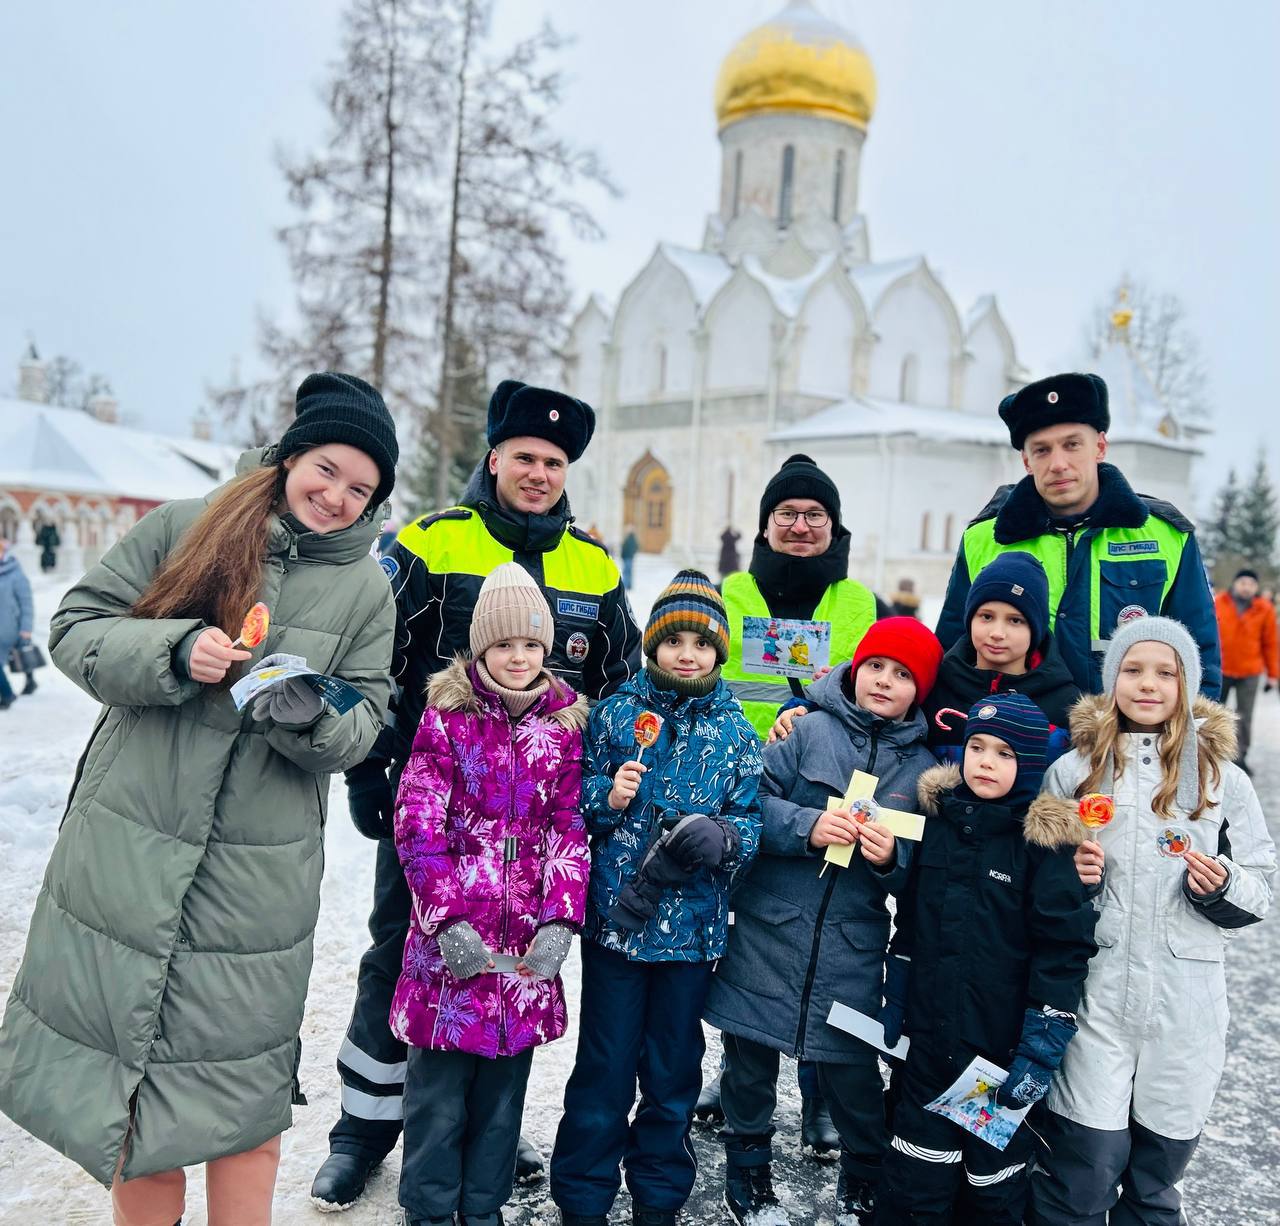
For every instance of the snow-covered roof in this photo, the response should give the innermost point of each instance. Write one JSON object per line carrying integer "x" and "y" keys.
{"x": 788, "y": 293}
{"x": 862, "y": 417}
{"x": 873, "y": 280}
{"x": 48, "y": 448}
{"x": 973, "y": 316}
{"x": 705, "y": 271}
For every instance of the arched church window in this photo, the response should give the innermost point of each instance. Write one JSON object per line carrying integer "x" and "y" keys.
{"x": 784, "y": 195}
{"x": 838, "y": 190}
{"x": 924, "y": 533}
{"x": 907, "y": 379}
{"x": 948, "y": 532}
{"x": 662, "y": 368}
{"x": 737, "y": 183}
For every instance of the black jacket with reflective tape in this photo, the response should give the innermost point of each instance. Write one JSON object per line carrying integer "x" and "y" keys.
{"x": 993, "y": 918}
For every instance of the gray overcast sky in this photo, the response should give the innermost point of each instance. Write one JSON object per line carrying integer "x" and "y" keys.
{"x": 1028, "y": 148}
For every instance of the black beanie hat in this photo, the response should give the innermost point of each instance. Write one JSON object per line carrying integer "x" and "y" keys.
{"x": 338, "y": 408}
{"x": 1246, "y": 572}
{"x": 1053, "y": 401}
{"x": 517, "y": 410}
{"x": 800, "y": 477}
{"x": 1015, "y": 578}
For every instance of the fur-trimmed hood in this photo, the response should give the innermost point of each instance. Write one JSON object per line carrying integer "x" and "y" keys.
{"x": 1050, "y": 822}
{"x": 451, "y": 689}
{"x": 1215, "y": 726}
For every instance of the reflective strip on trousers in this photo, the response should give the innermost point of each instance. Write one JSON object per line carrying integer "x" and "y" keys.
{"x": 947, "y": 1156}
{"x": 372, "y": 1106}
{"x": 984, "y": 1181}
{"x": 370, "y": 1069}
{"x": 759, "y": 691}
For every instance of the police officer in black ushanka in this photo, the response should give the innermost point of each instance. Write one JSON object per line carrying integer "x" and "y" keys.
{"x": 513, "y": 509}
{"x": 994, "y": 935}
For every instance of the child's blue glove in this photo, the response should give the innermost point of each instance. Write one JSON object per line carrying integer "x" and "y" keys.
{"x": 1045, "y": 1035}
{"x": 897, "y": 972}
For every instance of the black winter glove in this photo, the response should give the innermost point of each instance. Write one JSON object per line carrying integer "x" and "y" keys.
{"x": 897, "y": 971}
{"x": 370, "y": 800}
{"x": 701, "y": 842}
{"x": 1045, "y": 1036}
{"x": 638, "y": 902}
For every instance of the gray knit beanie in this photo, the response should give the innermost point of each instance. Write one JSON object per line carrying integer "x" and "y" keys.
{"x": 1177, "y": 636}
{"x": 510, "y": 605}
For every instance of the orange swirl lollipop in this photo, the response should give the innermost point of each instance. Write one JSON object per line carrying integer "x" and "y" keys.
{"x": 1096, "y": 810}
{"x": 647, "y": 726}
{"x": 256, "y": 623}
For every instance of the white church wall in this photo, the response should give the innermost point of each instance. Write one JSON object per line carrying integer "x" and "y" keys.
{"x": 828, "y": 328}
{"x": 984, "y": 379}
{"x": 1159, "y": 471}
{"x": 911, "y": 360}
{"x": 738, "y": 327}
{"x": 586, "y": 349}
{"x": 653, "y": 332}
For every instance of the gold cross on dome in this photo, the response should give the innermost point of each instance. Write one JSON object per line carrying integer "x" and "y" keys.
{"x": 859, "y": 798}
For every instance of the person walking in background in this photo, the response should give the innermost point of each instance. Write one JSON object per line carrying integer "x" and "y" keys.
{"x": 729, "y": 560}
{"x": 630, "y": 547}
{"x": 1247, "y": 628}
{"x": 16, "y": 618}
{"x": 155, "y": 1020}
{"x": 48, "y": 540}
{"x": 905, "y": 602}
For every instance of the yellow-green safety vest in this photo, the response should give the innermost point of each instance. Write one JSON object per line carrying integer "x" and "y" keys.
{"x": 848, "y": 606}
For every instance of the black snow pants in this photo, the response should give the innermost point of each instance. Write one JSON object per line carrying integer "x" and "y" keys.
{"x": 935, "y": 1172}
{"x": 1096, "y": 1177}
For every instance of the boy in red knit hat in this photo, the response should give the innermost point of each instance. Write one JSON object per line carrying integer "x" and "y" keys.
{"x": 801, "y": 941}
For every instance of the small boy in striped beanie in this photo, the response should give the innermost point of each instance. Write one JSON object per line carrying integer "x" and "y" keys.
{"x": 669, "y": 797}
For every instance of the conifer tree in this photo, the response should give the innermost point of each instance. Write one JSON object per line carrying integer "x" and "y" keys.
{"x": 1257, "y": 520}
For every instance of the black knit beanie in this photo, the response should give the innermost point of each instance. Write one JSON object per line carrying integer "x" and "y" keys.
{"x": 800, "y": 477}
{"x": 338, "y": 408}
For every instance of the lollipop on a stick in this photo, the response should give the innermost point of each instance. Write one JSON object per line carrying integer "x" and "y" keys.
{"x": 647, "y": 727}
{"x": 254, "y": 629}
{"x": 1096, "y": 810}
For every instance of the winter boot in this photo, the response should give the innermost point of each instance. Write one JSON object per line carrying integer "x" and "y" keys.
{"x": 642, "y": 1215}
{"x": 707, "y": 1109}
{"x": 855, "y": 1201}
{"x": 818, "y": 1136}
{"x": 484, "y": 1219}
{"x": 430, "y": 1221}
{"x": 30, "y": 687}
{"x": 748, "y": 1184}
{"x": 583, "y": 1219}
{"x": 5, "y": 701}
{"x": 340, "y": 1181}
{"x": 528, "y": 1162}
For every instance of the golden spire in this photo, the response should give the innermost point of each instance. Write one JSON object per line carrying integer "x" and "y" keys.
{"x": 1122, "y": 316}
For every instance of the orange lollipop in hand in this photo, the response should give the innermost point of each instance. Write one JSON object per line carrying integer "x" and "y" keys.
{"x": 647, "y": 727}
{"x": 1096, "y": 810}
{"x": 256, "y": 623}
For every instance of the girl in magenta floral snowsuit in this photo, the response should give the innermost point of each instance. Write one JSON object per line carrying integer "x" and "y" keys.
{"x": 495, "y": 853}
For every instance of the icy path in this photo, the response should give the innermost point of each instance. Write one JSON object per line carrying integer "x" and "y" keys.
{"x": 42, "y": 736}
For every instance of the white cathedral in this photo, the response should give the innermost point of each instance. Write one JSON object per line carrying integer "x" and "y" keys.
{"x": 782, "y": 335}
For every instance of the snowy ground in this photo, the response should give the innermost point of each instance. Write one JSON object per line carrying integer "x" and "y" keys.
{"x": 1231, "y": 1181}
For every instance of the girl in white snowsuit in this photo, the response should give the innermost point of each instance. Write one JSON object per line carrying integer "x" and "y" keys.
{"x": 1185, "y": 860}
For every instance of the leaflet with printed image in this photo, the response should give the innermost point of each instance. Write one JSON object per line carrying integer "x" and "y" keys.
{"x": 340, "y": 695}
{"x": 785, "y": 646}
{"x": 970, "y": 1101}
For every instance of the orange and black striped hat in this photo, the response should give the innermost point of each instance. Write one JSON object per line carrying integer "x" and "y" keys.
{"x": 689, "y": 602}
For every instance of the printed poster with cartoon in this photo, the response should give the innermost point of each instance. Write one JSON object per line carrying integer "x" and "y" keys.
{"x": 785, "y": 647}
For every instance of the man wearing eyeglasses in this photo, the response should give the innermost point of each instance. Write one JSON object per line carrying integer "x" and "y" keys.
{"x": 799, "y": 570}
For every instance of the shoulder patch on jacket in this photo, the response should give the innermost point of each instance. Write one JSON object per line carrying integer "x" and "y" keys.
{"x": 1168, "y": 512}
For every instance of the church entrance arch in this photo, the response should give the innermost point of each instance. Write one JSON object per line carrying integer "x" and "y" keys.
{"x": 647, "y": 504}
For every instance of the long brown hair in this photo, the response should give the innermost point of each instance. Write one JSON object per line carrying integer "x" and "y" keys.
{"x": 1106, "y": 749}
{"x": 215, "y": 571}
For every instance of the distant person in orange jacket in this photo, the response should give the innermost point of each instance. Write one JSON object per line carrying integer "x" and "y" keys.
{"x": 1247, "y": 628}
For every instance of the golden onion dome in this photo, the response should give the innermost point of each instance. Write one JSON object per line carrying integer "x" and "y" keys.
{"x": 800, "y": 62}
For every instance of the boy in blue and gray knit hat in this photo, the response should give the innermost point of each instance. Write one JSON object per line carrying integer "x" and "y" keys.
{"x": 993, "y": 941}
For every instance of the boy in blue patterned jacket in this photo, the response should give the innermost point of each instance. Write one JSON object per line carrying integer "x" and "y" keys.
{"x": 670, "y": 825}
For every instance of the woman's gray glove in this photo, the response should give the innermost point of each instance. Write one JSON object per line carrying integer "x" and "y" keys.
{"x": 550, "y": 947}
{"x": 291, "y": 701}
{"x": 463, "y": 950}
